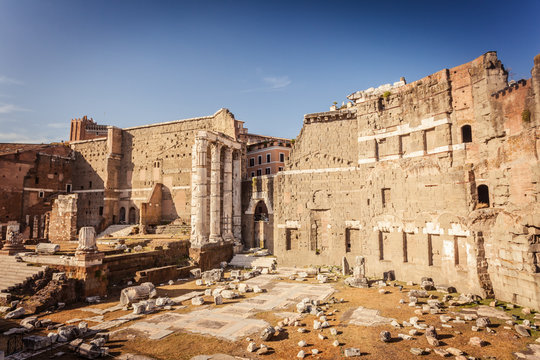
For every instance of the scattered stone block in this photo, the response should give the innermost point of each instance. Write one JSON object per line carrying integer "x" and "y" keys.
{"x": 336, "y": 343}
{"x": 405, "y": 337}
{"x": 133, "y": 294}
{"x": 476, "y": 341}
{"x": 34, "y": 342}
{"x": 251, "y": 347}
{"x": 197, "y": 300}
{"x": 454, "y": 351}
{"x": 522, "y": 330}
{"x": 352, "y": 352}
{"x": 483, "y": 321}
{"x": 417, "y": 351}
{"x": 441, "y": 352}
{"x": 302, "y": 343}
{"x": 385, "y": 336}
{"x": 301, "y": 354}
{"x": 268, "y": 333}
{"x": 15, "y": 314}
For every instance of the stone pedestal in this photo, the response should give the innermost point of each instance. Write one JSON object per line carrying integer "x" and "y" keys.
{"x": 13, "y": 243}
{"x": 87, "y": 252}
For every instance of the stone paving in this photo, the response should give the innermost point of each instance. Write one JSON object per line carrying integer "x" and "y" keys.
{"x": 487, "y": 311}
{"x": 532, "y": 353}
{"x": 233, "y": 322}
{"x": 368, "y": 317}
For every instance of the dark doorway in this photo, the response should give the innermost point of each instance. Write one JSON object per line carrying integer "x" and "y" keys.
{"x": 122, "y": 215}
{"x": 483, "y": 196}
{"x": 466, "y": 134}
{"x": 132, "y": 215}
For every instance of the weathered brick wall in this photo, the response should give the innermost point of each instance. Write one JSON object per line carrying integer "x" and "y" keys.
{"x": 63, "y": 219}
{"x": 399, "y": 185}
{"x": 127, "y": 168}
{"x": 89, "y": 176}
{"x": 30, "y": 179}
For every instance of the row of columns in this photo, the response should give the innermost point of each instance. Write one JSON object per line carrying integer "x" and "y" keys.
{"x": 215, "y": 224}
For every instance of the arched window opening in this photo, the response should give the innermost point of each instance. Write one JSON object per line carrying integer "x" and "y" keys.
{"x": 483, "y": 196}
{"x": 261, "y": 212}
{"x": 466, "y": 134}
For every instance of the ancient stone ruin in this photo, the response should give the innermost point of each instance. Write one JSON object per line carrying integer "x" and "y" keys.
{"x": 429, "y": 186}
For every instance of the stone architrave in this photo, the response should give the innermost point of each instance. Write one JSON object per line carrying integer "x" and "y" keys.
{"x": 13, "y": 243}
{"x": 199, "y": 193}
{"x": 228, "y": 195}
{"x": 87, "y": 240}
{"x": 215, "y": 193}
{"x": 237, "y": 197}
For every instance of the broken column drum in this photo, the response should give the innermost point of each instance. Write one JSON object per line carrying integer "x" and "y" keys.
{"x": 87, "y": 240}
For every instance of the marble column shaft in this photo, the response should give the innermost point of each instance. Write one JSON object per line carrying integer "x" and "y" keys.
{"x": 199, "y": 193}
{"x": 215, "y": 193}
{"x": 228, "y": 195}
{"x": 237, "y": 199}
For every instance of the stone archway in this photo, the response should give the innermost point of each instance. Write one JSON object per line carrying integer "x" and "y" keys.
{"x": 260, "y": 225}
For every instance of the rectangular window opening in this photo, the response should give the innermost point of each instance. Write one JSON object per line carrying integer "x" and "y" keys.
{"x": 405, "y": 254}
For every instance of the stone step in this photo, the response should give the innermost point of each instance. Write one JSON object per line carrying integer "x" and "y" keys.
{"x": 14, "y": 273}
{"x": 22, "y": 272}
{"x": 241, "y": 260}
{"x": 117, "y": 231}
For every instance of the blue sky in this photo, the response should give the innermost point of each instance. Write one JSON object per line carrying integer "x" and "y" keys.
{"x": 128, "y": 63}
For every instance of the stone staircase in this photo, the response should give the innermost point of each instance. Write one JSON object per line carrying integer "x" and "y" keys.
{"x": 117, "y": 231}
{"x": 250, "y": 261}
{"x": 14, "y": 274}
{"x": 174, "y": 228}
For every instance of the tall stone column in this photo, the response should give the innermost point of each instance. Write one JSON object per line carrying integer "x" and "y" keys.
{"x": 228, "y": 195}
{"x": 215, "y": 194}
{"x": 199, "y": 193}
{"x": 237, "y": 199}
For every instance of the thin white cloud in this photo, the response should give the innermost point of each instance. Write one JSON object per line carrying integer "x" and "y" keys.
{"x": 21, "y": 138}
{"x": 57, "y": 125}
{"x": 271, "y": 83}
{"x": 8, "y": 80}
{"x": 277, "y": 82}
{"x": 11, "y": 108}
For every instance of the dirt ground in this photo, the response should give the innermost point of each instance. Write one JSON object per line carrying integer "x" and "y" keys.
{"x": 184, "y": 345}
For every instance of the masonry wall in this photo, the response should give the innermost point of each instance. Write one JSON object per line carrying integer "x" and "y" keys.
{"x": 125, "y": 167}
{"x": 393, "y": 179}
{"x": 31, "y": 178}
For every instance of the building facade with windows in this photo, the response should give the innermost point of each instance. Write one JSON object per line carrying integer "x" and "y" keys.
{"x": 267, "y": 157}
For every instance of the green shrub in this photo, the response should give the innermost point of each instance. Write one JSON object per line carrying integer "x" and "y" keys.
{"x": 526, "y": 115}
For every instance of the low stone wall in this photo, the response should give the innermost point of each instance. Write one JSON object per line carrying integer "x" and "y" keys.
{"x": 124, "y": 266}
{"x": 211, "y": 255}
{"x": 162, "y": 274}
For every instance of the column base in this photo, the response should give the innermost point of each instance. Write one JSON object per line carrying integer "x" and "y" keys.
{"x": 12, "y": 250}
{"x": 215, "y": 238}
